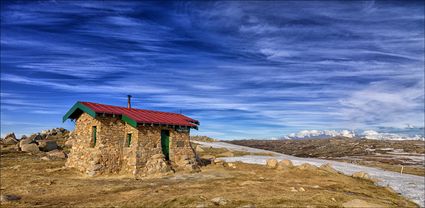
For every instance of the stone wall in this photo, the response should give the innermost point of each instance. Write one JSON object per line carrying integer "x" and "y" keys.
{"x": 83, "y": 155}
{"x": 112, "y": 155}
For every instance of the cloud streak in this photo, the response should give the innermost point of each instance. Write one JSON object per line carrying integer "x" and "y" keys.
{"x": 245, "y": 70}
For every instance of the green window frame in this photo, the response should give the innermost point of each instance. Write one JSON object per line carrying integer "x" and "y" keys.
{"x": 94, "y": 135}
{"x": 128, "y": 140}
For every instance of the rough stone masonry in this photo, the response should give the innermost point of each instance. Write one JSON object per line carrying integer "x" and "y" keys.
{"x": 110, "y": 152}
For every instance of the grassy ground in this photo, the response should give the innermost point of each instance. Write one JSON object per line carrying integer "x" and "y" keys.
{"x": 223, "y": 152}
{"x": 45, "y": 184}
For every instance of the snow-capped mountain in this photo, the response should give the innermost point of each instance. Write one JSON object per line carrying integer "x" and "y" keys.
{"x": 320, "y": 134}
{"x": 368, "y": 134}
{"x": 371, "y": 134}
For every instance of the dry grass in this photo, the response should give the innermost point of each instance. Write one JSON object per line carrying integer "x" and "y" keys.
{"x": 221, "y": 152}
{"x": 341, "y": 149}
{"x": 33, "y": 179}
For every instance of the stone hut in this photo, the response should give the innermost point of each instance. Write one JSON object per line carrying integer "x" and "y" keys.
{"x": 124, "y": 140}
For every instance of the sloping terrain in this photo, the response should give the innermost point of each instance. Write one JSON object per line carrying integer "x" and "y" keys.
{"x": 45, "y": 183}
{"x": 384, "y": 154}
{"x": 410, "y": 186}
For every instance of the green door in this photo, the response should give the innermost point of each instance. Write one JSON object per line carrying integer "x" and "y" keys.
{"x": 165, "y": 143}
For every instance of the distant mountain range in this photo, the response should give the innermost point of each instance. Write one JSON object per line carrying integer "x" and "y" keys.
{"x": 408, "y": 133}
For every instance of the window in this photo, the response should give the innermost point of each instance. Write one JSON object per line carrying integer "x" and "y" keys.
{"x": 94, "y": 132}
{"x": 128, "y": 140}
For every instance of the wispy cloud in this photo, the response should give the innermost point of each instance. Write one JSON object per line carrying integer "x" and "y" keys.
{"x": 245, "y": 70}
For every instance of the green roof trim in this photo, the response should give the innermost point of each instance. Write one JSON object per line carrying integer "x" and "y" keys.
{"x": 130, "y": 121}
{"x": 80, "y": 106}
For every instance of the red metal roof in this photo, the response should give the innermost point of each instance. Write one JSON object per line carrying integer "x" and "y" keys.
{"x": 144, "y": 116}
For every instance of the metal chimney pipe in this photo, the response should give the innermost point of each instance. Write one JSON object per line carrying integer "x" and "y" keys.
{"x": 129, "y": 102}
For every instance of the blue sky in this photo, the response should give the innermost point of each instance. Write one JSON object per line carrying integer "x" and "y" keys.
{"x": 244, "y": 69}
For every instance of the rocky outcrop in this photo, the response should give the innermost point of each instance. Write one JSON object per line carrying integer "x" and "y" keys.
{"x": 25, "y": 141}
{"x": 10, "y": 139}
{"x": 36, "y": 137}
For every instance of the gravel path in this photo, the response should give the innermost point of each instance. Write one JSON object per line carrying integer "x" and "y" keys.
{"x": 410, "y": 186}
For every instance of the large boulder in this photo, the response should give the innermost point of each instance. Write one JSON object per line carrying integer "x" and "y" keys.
{"x": 25, "y": 141}
{"x": 10, "y": 139}
{"x": 47, "y": 145}
{"x": 271, "y": 163}
{"x": 31, "y": 148}
{"x": 284, "y": 164}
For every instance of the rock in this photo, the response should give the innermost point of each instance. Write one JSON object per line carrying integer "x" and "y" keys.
{"x": 328, "y": 167}
{"x": 248, "y": 206}
{"x": 69, "y": 143}
{"x": 35, "y": 137}
{"x": 284, "y": 164}
{"x": 271, "y": 163}
{"x": 218, "y": 162}
{"x": 221, "y": 201}
{"x": 203, "y": 205}
{"x": 231, "y": 165}
{"x": 31, "y": 148}
{"x": 307, "y": 166}
{"x": 55, "y": 169}
{"x": 199, "y": 149}
{"x": 45, "y": 158}
{"x": 10, "y": 139}
{"x": 301, "y": 189}
{"x": 25, "y": 141}
{"x": 361, "y": 174}
{"x": 57, "y": 154}
{"x": 9, "y": 197}
{"x": 358, "y": 203}
{"x": 156, "y": 166}
{"x": 226, "y": 154}
{"x": 47, "y": 145}
{"x": 293, "y": 189}
{"x": 208, "y": 157}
